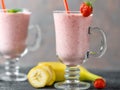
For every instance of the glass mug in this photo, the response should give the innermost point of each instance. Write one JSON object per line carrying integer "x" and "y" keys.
{"x": 14, "y": 33}
{"x": 73, "y": 32}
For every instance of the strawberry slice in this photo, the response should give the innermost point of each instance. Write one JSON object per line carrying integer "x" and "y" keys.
{"x": 86, "y": 8}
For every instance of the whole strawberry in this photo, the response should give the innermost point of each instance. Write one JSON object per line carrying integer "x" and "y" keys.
{"x": 86, "y": 8}
{"x": 99, "y": 83}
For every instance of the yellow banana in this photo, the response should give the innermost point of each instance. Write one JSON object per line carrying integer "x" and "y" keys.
{"x": 41, "y": 76}
{"x": 59, "y": 69}
{"x": 51, "y": 74}
{"x": 46, "y": 73}
{"x": 38, "y": 77}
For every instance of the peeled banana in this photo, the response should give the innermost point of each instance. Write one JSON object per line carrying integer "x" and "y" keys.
{"x": 38, "y": 77}
{"x": 51, "y": 73}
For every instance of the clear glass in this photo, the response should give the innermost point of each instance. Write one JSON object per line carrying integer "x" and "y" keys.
{"x": 14, "y": 32}
{"x": 73, "y": 32}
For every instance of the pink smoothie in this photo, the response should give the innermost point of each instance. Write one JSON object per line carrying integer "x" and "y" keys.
{"x": 72, "y": 38}
{"x": 13, "y": 33}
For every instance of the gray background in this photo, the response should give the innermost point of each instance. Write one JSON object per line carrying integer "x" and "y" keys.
{"x": 106, "y": 16}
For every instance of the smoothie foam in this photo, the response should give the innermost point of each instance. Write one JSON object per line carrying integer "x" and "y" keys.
{"x": 72, "y": 38}
{"x": 13, "y": 33}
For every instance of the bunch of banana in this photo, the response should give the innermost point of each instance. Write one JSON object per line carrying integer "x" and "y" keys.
{"x": 46, "y": 73}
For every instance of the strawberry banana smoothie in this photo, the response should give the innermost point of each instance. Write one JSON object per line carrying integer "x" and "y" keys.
{"x": 72, "y": 39}
{"x": 13, "y": 33}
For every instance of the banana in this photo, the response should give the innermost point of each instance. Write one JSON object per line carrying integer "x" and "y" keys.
{"x": 41, "y": 76}
{"x": 38, "y": 77}
{"x": 51, "y": 72}
{"x": 46, "y": 73}
{"x": 59, "y": 69}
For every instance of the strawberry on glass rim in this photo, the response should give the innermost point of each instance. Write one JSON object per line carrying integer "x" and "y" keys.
{"x": 86, "y": 8}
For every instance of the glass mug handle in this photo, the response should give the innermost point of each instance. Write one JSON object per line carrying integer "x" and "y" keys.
{"x": 103, "y": 44}
{"x": 34, "y": 30}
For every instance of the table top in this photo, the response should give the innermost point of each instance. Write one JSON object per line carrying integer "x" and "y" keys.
{"x": 112, "y": 78}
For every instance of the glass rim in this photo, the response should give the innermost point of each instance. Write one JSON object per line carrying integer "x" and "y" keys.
{"x": 72, "y": 12}
{"x": 64, "y": 11}
{"x": 24, "y": 10}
